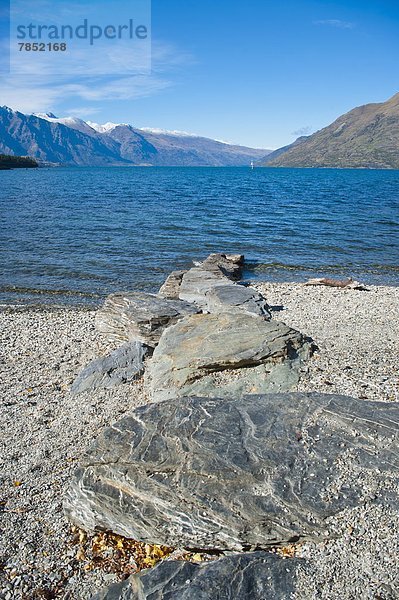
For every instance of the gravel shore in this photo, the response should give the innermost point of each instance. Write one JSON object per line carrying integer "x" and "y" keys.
{"x": 45, "y": 430}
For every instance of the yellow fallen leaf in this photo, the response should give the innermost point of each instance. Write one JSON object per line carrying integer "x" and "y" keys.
{"x": 82, "y": 537}
{"x": 197, "y": 557}
{"x": 149, "y": 562}
{"x": 80, "y": 555}
{"x": 17, "y": 483}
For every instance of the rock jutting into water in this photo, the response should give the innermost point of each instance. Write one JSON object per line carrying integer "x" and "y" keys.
{"x": 142, "y": 317}
{"x": 229, "y": 264}
{"x": 194, "y": 285}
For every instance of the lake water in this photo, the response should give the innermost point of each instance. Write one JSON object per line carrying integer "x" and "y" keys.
{"x": 73, "y": 235}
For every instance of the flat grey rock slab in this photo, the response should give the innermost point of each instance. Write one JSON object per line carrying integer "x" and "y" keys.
{"x": 139, "y": 316}
{"x": 235, "y": 298}
{"x": 196, "y": 282}
{"x": 171, "y": 287}
{"x": 217, "y": 474}
{"x": 252, "y": 576}
{"x": 225, "y": 355}
{"x": 124, "y": 364}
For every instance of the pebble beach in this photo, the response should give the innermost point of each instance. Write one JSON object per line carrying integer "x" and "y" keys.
{"x": 45, "y": 431}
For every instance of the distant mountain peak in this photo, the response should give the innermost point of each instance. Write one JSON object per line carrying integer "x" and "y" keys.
{"x": 72, "y": 122}
{"x": 48, "y": 115}
{"x": 175, "y": 132}
{"x": 106, "y": 127}
{"x": 366, "y": 137}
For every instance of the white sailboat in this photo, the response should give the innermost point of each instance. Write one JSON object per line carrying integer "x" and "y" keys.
{"x": 252, "y": 164}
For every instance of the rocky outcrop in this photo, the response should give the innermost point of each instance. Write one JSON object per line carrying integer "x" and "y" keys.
{"x": 193, "y": 285}
{"x": 195, "y": 355}
{"x": 123, "y": 365}
{"x": 219, "y": 474}
{"x": 139, "y": 316}
{"x": 229, "y": 264}
{"x": 255, "y": 576}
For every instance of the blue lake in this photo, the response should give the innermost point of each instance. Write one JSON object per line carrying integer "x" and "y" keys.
{"x": 85, "y": 232}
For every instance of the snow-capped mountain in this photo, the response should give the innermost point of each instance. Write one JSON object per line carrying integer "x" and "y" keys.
{"x": 72, "y": 141}
{"x": 168, "y": 132}
{"x": 72, "y": 122}
{"x": 104, "y": 128}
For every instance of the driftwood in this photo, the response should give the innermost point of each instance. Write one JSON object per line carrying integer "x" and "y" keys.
{"x": 348, "y": 283}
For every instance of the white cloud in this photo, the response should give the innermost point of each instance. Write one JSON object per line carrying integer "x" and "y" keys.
{"x": 165, "y": 57}
{"x": 124, "y": 88}
{"x": 335, "y": 23}
{"x": 82, "y": 112}
{"x": 35, "y": 92}
{"x": 30, "y": 95}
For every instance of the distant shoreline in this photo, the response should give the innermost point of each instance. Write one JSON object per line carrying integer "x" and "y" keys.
{"x": 8, "y": 162}
{"x": 51, "y": 300}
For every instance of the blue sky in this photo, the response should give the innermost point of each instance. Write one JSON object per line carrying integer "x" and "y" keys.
{"x": 258, "y": 73}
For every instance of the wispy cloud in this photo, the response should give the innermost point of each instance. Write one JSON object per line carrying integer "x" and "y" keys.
{"x": 36, "y": 92}
{"x": 335, "y": 23}
{"x": 82, "y": 112}
{"x": 32, "y": 95}
{"x": 307, "y": 130}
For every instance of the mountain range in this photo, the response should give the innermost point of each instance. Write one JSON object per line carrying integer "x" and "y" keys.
{"x": 366, "y": 137}
{"x": 73, "y": 142}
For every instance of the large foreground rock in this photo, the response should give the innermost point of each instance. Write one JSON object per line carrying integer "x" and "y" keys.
{"x": 139, "y": 316}
{"x": 212, "y": 473}
{"x": 123, "y": 365}
{"x": 252, "y": 576}
{"x": 225, "y": 354}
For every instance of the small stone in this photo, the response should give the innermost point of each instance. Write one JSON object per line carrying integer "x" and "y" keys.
{"x": 123, "y": 365}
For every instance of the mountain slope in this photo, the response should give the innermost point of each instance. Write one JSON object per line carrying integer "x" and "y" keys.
{"x": 54, "y": 142}
{"x": 365, "y": 137}
{"x": 73, "y": 142}
{"x": 178, "y": 149}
